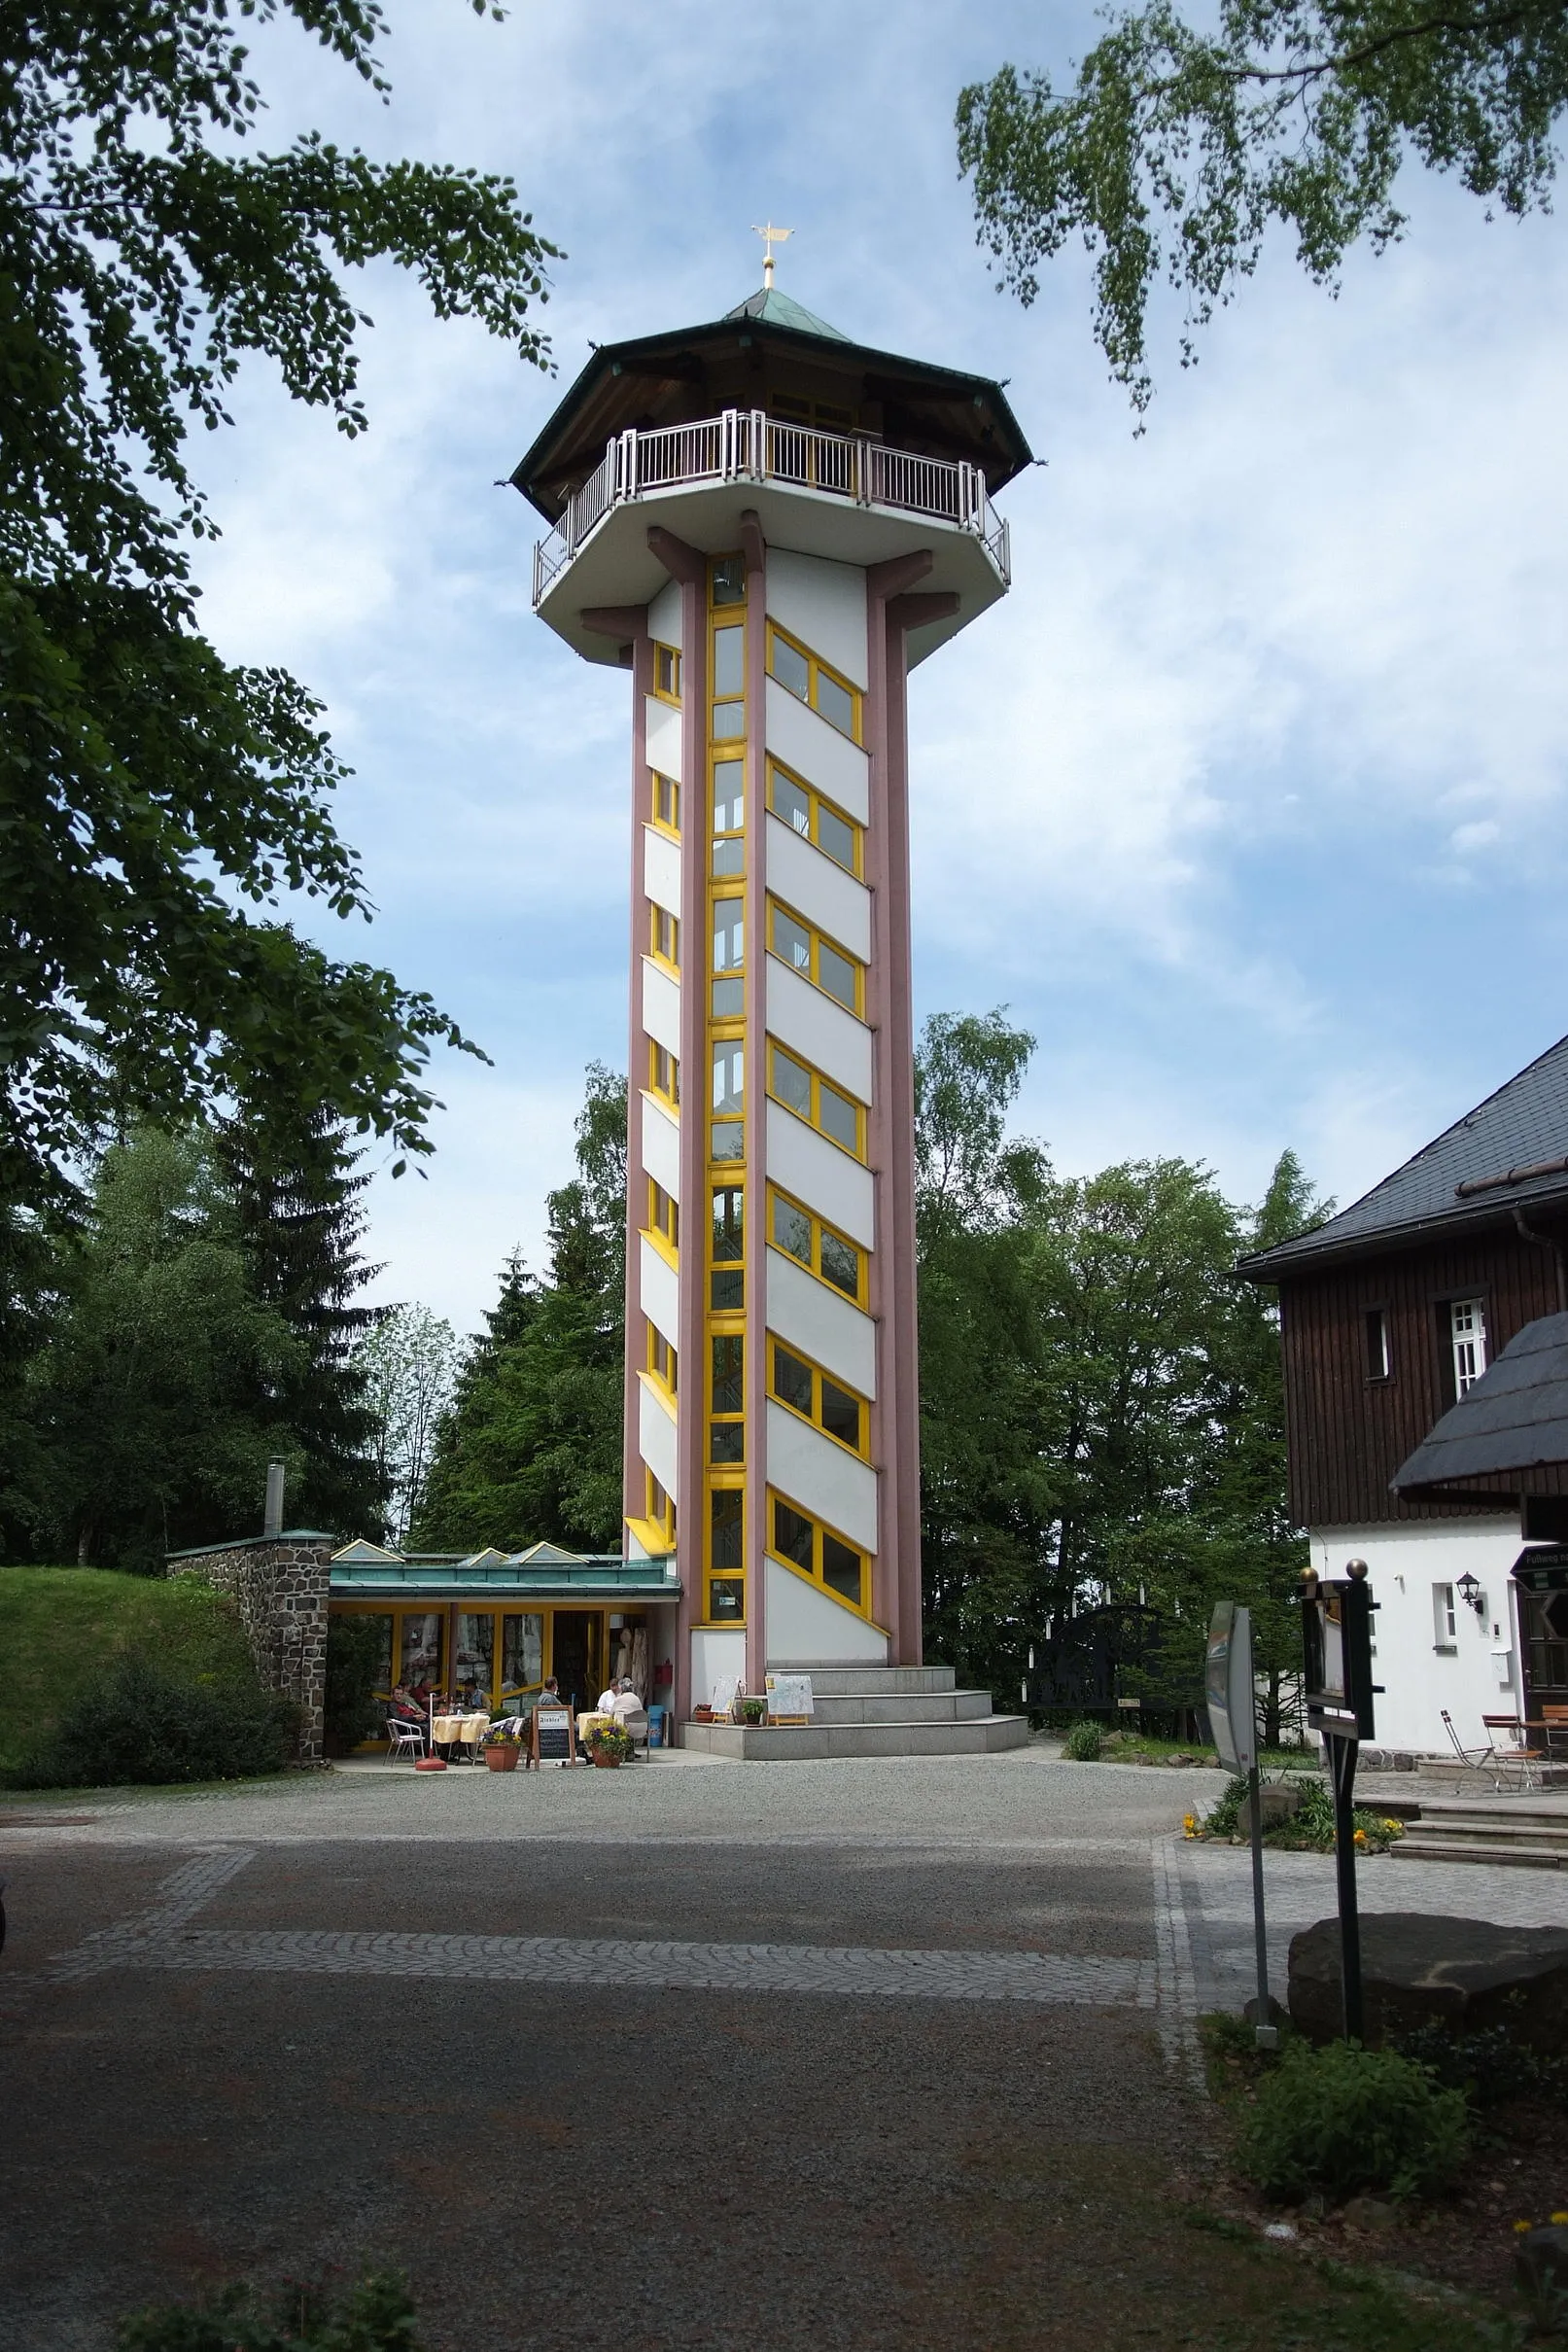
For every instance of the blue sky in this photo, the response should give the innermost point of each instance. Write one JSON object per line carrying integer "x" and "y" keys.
{"x": 1249, "y": 801}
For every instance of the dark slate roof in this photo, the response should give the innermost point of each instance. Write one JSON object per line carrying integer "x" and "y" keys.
{"x": 1510, "y": 1151}
{"x": 778, "y": 309}
{"x": 1515, "y": 1417}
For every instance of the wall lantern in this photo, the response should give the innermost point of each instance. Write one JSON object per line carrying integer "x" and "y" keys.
{"x": 1470, "y": 1590}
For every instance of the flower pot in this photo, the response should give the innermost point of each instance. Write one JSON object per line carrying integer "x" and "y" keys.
{"x": 501, "y": 1758}
{"x": 608, "y": 1764}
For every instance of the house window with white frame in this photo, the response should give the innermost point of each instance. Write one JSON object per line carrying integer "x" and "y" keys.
{"x": 1444, "y": 1623}
{"x": 1467, "y": 1325}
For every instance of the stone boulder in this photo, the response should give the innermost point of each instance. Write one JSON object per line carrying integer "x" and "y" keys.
{"x": 1419, "y": 1969}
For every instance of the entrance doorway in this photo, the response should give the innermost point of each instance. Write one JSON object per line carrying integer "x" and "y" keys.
{"x": 574, "y": 1655}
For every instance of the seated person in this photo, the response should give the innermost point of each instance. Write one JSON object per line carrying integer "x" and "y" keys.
{"x": 623, "y": 1699}
{"x": 404, "y": 1706}
{"x": 606, "y": 1702}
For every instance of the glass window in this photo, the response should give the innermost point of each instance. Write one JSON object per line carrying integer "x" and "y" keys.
{"x": 839, "y": 1117}
{"x": 667, "y": 802}
{"x": 727, "y": 1289}
{"x": 666, "y": 671}
{"x": 729, "y": 1075}
{"x": 791, "y": 1535}
{"x": 729, "y": 1371}
{"x": 476, "y": 1651}
{"x": 729, "y": 720}
{"x": 662, "y": 1359}
{"x": 841, "y": 1264}
{"x": 792, "y": 1230}
{"x": 838, "y": 975}
{"x": 841, "y": 1414}
{"x": 790, "y": 802}
{"x": 729, "y": 815}
{"x": 422, "y": 1647}
{"x": 729, "y": 579}
{"x": 792, "y": 669}
{"x": 791, "y": 941}
{"x": 836, "y": 706}
{"x": 665, "y": 936}
{"x": 726, "y": 1598}
{"x": 792, "y": 1380}
{"x": 726, "y": 1441}
{"x": 727, "y": 1140}
{"x": 725, "y": 1506}
{"x": 729, "y": 1230}
{"x": 791, "y": 1082}
{"x": 729, "y": 661}
{"x": 1377, "y": 1332}
{"x": 522, "y": 1653}
{"x": 842, "y": 1570}
{"x": 729, "y": 1000}
{"x": 729, "y": 934}
{"x": 665, "y": 1072}
{"x": 836, "y": 837}
{"x": 1467, "y": 1320}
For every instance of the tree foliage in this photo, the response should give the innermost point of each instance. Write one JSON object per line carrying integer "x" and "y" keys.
{"x": 405, "y": 1365}
{"x": 155, "y": 801}
{"x": 1178, "y": 145}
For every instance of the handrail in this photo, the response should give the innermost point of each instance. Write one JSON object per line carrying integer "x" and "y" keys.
{"x": 748, "y": 444}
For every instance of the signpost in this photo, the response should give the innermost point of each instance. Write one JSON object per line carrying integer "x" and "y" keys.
{"x": 1337, "y": 1642}
{"x": 1233, "y": 1720}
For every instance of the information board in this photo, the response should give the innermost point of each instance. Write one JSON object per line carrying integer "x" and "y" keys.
{"x": 553, "y": 1735}
{"x": 789, "y": 1698}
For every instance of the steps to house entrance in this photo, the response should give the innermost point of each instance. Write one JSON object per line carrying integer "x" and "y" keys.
{"x": 1520, "y": 1832}
{"x": 868, "y": 1711}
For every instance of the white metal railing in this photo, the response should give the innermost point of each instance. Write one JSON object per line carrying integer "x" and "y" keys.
{"x": 746, "y": 444}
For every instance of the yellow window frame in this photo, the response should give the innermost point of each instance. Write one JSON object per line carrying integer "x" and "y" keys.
{"x": 817, "y": 669}
{"x": 667, "y": 672}
{"x": 861, "y": 1449}
{"x": 816, "y": 802}
{"x": 819, "y": 1229}
{"x": 663, "y": 800}
{"x": 718, "y": 1483}
{"x": 813, "y": 1114}
{"x": 814, "y": 1573}
{"x": 663, "y": 1361}
{"x": 664, "y": 1073}
{"x": 663, "y": 1227}
{"x": 817, "y": 939}
{"x": 731, "y": 753}
{"x": 664, "y": 936}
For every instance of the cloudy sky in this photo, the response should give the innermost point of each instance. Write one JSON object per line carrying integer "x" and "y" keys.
{"x": 1249, "y": 801}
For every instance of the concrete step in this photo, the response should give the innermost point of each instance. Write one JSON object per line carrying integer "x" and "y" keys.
{"x": 816, "y": 1742}
{"x": 902, "y": 1706}
{"x": 868, "y": 1681}
{"x": 1536, "y": 1824}
{"x": 1504, "y": 1854}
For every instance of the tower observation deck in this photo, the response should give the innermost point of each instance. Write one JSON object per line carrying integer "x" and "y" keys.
{"x": 768, "y": 525}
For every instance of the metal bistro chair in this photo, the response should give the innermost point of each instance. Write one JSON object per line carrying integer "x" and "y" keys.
{"x": 1518, "y": 1756}
{"x": 1469, "y": 1759}
{"x": 404, "y": 1739}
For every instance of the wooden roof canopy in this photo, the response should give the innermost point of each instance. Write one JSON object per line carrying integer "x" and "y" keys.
{"x": 766, "y": 346}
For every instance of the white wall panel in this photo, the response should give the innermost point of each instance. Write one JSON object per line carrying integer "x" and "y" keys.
{"x": 815, "y": 751}
{"x": 664, "y": 616}
{"x": 808, "y": 1627}
{"x": 661, "y": 868}
{"x": 661, "y": 1006}
{"x": 817, "y": 1319}
{"x": 664, "y": 737}
{"x": 656, "y": 1436}
{"x": 661, "y": 1145}
{"x": 825, "y": 606}
{"x": 658, "y": 1290}
{"x": 717, "y": 1664}
{"x": 820, "y": 1176}
{"x": 801, "y": 1016}
{"x": 822, "y": 1478}
{"x": 819, "y": 888}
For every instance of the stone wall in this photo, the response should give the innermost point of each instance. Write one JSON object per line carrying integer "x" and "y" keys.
{"x": 281, "y": 1585}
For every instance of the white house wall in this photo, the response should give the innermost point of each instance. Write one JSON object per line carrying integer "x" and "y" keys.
{"x": 658, "y": 1290}
{"x": 663, "y": 737}
{"x": 822, "y": 604}
{"x": 801, "y": 1017}
{"x": 824, "y": 1479}
{"x": 820, "y": 890}
{"x": 661, "y": 869}
{"x": 661, "y": 1006}
{"x": 821, "y": 1176}
{"x": 656, "y": 1437}
{"x": 815, "y": 1317}
{"x": 717, "y": 1664}
{"x": 805, "y": 1628}
{"x": 664, "y": 618}
{"x": 1481, "y": 1676}
{"x": 806, "y": 743}
{"x": 661, "y": 1145}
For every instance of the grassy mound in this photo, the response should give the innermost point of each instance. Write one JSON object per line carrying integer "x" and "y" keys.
{"x": 60, "y": 1629}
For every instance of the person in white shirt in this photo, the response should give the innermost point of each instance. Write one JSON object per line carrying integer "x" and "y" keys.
{"x": 623, "y": 1699}
{"x": 605, "y": 1704}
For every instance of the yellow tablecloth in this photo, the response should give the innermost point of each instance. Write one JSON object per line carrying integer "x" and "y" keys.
{"x": 468, "y": 1729}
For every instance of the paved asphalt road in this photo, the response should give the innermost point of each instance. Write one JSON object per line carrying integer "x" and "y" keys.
{"x": 690, "y": 2056}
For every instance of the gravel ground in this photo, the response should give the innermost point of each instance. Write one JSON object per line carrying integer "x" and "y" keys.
{"x": 455, "y": 2022}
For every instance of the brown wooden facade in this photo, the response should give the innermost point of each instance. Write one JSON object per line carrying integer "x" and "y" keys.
{"x": 1349, "y": 1430}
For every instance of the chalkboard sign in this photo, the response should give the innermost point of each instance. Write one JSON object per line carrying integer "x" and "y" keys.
{"x": 553, "y": 1735}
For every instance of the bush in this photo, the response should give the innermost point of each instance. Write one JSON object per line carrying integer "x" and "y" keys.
{"x": 1343, "y": 2118}
{"x": 139, "y": 1724}
{"x": 375, "y": 2316}
{"x": 1082, "y": 1743}
{"x": 352, "y": 1711}
{"x": 1492, "y": 2066}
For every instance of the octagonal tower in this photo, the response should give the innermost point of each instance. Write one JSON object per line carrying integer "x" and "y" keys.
{"x": 769, "y": 525}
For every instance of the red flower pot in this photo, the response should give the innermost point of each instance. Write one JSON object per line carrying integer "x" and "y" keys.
{"x": 502, "y": 1758}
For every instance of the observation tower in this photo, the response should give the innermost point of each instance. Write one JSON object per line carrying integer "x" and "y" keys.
{"x": 768, "y": 525}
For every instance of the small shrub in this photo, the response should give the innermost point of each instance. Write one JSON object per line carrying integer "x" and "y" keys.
{"x": 351, "y": 1710}
{"x": 1492, "y": 2066}
{"x": 1343, "y": 2118}
{"x": 1082, "y": 1743}
{"x": 375, "y": 2316}
{"x": 140, "y": 1725}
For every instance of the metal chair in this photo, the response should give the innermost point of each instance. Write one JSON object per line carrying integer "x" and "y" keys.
{"x": 1518, "y": 1755}
{"x": 1470, "y": 1759}
{"x": 404, "y": 1739}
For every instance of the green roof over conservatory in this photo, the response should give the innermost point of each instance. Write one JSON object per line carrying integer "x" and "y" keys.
{"x": 544, "y": 1571}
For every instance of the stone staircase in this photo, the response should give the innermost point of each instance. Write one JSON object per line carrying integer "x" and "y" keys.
{"x": 1520, "y": 1832}
{"x": 868, "y": 1711}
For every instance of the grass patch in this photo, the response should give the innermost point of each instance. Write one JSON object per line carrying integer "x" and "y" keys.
{"x": 1126, "y": 1747}
{"x": 61, "y": 1628}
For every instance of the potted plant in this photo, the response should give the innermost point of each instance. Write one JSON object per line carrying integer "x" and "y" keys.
{"x": 609, "y": 1745}
{"x": 753, "y": 1710}
{"x": 504, "y": 1745}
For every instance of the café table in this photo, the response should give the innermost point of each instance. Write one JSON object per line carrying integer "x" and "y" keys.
{"x": 460, "y": 1731}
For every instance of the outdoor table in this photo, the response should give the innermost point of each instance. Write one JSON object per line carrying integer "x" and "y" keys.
{"x": 458, "y": 1731}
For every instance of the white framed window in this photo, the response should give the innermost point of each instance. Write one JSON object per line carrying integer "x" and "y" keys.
{"x": 1467, "y": 1325}
{"x": 1444, "y": 1621}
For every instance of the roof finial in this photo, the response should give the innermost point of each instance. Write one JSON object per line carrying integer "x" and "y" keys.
{"x": 771, "y": 236}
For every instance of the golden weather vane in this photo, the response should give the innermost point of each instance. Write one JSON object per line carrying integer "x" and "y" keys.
{"x": 771, "y": 236}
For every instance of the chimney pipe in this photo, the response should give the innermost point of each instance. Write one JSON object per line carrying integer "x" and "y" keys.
{"x": 272, "y": 1524}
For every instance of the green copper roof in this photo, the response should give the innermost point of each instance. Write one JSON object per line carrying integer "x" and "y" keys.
{"x": 777, "y": 309}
